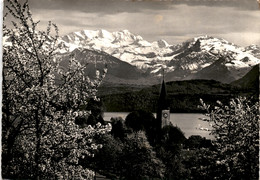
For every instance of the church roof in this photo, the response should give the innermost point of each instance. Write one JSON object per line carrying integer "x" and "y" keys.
{"x": 162, "y": 102}
{"x": 163, "y": 92}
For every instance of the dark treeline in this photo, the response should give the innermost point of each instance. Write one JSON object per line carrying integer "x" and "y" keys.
{"x": 183, "y": 96}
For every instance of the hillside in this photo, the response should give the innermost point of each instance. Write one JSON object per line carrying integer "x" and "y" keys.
{"x": 250, "y": 80}
{"x": 119, "y": 72}
{"x": 183, "y": 96}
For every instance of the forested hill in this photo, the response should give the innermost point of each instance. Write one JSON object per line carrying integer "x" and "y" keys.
{"x": 250, "y": 81}
{"x": 183, "y": 96}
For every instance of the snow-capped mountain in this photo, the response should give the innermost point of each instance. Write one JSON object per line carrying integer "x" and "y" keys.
{"x": 122, "y": 45}
{"x": 202, "y": 57}
{"x": 182, "y": 61}
{"x": 207, "y": 57}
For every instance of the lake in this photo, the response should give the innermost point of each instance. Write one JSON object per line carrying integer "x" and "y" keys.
{"x": 189, "y": 123}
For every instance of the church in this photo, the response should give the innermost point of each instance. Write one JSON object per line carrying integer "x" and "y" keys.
{"x": 163, "y": 107}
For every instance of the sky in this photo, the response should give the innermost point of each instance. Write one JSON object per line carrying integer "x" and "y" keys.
{"x": 175, "y": 21}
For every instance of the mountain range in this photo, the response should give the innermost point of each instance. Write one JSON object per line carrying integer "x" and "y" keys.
{"x": 202, "y": 57}
{"x": 132, "y": 60}
{"x": 202, "y": 67}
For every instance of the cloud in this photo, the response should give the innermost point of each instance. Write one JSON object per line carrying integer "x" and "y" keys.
{"x": 132, "y": 6}
{"x": 99, "y": 6}
{"x": 239, "y": 4}
{"x": 173, "y": 21}
{"x": 186, "y": 20}
{"x": 242, "y": 38}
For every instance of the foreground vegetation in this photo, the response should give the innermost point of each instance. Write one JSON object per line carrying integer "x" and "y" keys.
{"x": 166, "y": 154}
{"x": 39, "y": 135}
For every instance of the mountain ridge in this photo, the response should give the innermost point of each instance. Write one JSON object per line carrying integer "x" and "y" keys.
{"x": 181, "y": 62}
{"x": 202, "y": 57}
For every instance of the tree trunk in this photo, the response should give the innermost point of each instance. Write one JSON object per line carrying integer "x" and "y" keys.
{"x": 38, "y": 143}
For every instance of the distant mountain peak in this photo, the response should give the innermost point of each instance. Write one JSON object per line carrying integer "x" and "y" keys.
{"x": 162, "y": 43}
{"x": 182, "y": 60}
{"x": 202, "y": 37}
{"x": 195, "y": 58}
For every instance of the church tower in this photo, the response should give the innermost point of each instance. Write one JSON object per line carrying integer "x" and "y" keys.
{"x": 163, "y": 109}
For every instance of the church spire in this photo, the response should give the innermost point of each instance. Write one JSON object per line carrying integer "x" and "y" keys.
{"x": 163, "y": 73}
{"x": 163, "y": 94}
{"x": 163, "y": 112}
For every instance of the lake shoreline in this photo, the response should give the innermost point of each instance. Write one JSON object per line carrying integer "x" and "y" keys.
{"x": 189, "y": 123}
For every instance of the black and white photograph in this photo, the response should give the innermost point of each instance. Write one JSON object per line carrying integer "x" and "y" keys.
{"x": 130, "y": 89}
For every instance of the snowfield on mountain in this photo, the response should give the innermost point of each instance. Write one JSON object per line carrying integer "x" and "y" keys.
{"x": 182, "y": 61}
{"x": 202, "y": 57}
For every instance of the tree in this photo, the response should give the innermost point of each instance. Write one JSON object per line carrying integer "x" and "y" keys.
{"x": 143, "y": 121}
{"x": 172, "y": 138}
{"x": 119, "y": 129}
{"x": 193, "y": 142}
{"x": 200, "y": 164}
{"x": 197, "y": 142}
{"x": 96, "y": 115}
{"x": 236, "y": 131}
{"x": 107, "y": 160}
{"x": 169, "y": 150}
{"x": 41, "y": 101}
{"x": 139, "y": 161}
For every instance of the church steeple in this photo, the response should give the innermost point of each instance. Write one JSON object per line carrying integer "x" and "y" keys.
{"x": 163, "y": 109}
{"x": 163, "y": 94}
